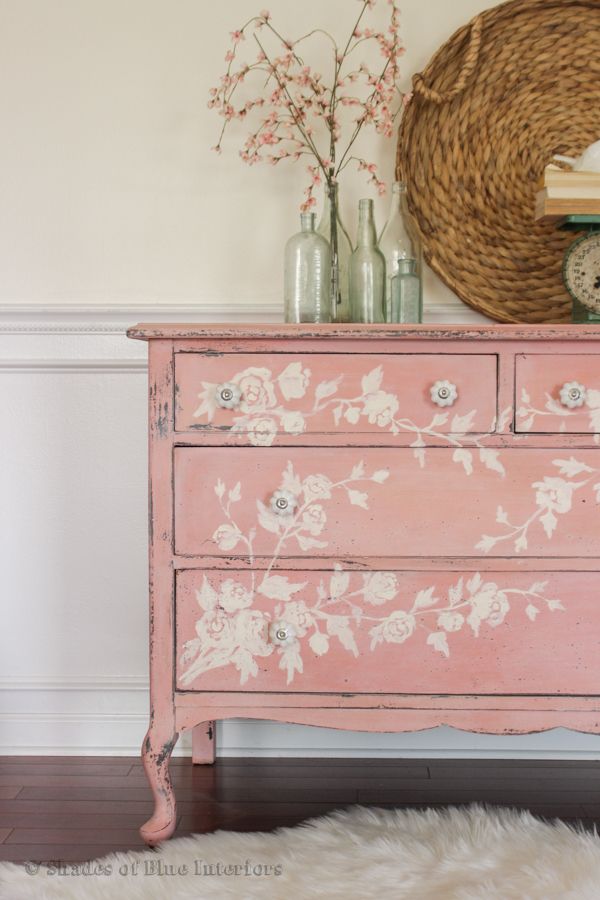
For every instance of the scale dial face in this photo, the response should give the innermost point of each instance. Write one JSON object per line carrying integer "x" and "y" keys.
{"x": 581, "y": 271}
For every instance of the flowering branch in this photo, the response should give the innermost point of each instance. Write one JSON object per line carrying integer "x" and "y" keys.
{"x": 300, "y": 115}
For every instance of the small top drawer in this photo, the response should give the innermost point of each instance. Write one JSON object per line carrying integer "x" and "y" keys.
{"x": 322, "y": 393}
{"x": 559, "y": 393}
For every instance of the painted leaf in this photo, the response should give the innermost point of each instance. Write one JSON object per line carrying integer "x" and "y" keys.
{"x": 490, "y": 458}
{"x": 501, "y": 516}
{"x": 425, "y": 598}
{"x": 465, "y": 457}
{"x": 372, "y": 382}
{"x": 319, "y": 643}
{"x": 219, "y": 488}
{"x": 207, "y": 597}
{"x": 267, "y": 519}
{"x": 549, "y": 522}
{"x": 462, "y": 424}
{"x": 571, "y": 467}
{"x": 439, "y": 641}
{"x": 455, "y": 593}
{"x": 279, "y": 587}
{"x": 380, "y": 475}
{"x": 235, "y": 493}
{"x": 531, "y": 612}
{"x": 339, "y": 583}
{"x": 486, "y": 543}
{"x": 358, "y": 471}
{"x": 358, "y": 498}
{"x": 310, "y": 543}
{"x": 326, "y": 389}
{"x": 337, "y": 626}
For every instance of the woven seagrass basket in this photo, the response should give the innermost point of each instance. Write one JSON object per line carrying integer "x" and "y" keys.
{"x": 510, "y": 89}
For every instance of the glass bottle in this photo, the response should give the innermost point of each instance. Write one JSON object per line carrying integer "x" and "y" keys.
{"x": 406, "y": 306}
{"x": 367, "y": 270}
{"x": 400, "y": 240}
{"x": 332, "y": 229}
{"x": 307, "y": 272}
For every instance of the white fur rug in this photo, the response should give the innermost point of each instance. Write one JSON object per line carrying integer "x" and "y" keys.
{"x": 455, "y": 854}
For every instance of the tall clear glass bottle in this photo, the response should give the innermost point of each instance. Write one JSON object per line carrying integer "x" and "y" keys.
{"x": 307, "y": 273}
{"x": 367, "y": 270}
{"x": 332, "y": 229}
{"x": 400, "y": 240}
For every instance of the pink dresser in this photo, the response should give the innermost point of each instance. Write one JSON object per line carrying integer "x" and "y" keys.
{"x": 381, "y": 528}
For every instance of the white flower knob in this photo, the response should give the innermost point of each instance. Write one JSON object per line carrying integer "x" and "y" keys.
{"x": 444, "y": 393}
{"x": 572, "y": 394}
{"x": 282, "y": 633}
{"x": 283, "y": 503}
{"x": 228, "y": 395}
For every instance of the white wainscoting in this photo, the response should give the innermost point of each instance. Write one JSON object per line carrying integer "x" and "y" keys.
{"x": 73, "y": 646}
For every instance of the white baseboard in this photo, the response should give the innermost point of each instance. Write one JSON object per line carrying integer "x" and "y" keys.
{"x": 108, "y": 716}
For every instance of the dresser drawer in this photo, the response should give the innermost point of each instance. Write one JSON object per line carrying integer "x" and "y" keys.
{"x": 375, "y": 502}
{"x": 388, "y": 632}
{"x": 260, "y": 396}
{"x": 558, "y": 393}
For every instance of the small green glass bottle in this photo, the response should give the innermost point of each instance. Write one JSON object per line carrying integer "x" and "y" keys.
{"x": 406, "y": 297}
{"x": 367, "y": 270}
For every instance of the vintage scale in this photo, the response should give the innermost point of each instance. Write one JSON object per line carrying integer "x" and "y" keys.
{"x": 581, "y": 267}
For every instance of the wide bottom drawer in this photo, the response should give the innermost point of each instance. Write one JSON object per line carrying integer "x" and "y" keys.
{"x": 388, "y": 632}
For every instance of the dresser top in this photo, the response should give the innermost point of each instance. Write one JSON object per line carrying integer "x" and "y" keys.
{"x": 147, "y": 331}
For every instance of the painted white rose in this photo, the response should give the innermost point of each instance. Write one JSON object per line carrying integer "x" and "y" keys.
{"x": 489, "y": 605}
{"x": 251, "y": 630}
{"x": 316, "y": 487}
{"x": 294, "y": 381}
{"x": 450, "y": 621}
{"x": 398, "y": 627}
{"x": 380, "y": 408}
{"x": 216, "y": 629}
{"x": 261, "y": 432}
{"x": 554, "y": 494}
{"x": 314, "y": 519}
{"x": 293, "y": 422}
{"x": 234, "y": 596}
{"x": 258, "y": 391}
{"x": 298, "y": 614}
{"x": 379, "y": 587}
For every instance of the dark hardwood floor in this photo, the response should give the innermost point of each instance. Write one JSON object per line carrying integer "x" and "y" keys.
{"x": 77, "y": 808}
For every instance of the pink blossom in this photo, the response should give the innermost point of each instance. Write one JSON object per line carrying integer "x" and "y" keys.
{"x": 237, "y": 36}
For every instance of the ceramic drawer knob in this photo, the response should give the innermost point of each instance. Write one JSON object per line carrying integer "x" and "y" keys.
{"x": 282, "y": 633}
{"x": 572, "y": 394}
{"x": 228, "y": 395}
{"x": 444, "y": 393}
{"x": 283, "y": 503}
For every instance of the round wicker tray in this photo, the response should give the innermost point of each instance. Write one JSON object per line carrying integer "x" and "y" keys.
{"x": 516, "y": 85}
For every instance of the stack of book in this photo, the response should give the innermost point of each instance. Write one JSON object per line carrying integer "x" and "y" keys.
{"x": 567, "y": 193}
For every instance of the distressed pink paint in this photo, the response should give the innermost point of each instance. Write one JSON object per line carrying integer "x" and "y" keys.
{"x": 432, "y": 570}
{"x": 539, "y": 379}
{"x": 408, "y": 377}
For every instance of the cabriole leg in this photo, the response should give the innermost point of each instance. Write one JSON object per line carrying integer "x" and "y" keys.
{"x": 156, "y": 755}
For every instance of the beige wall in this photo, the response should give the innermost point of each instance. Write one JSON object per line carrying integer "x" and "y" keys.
{"x": 108, "y": 190}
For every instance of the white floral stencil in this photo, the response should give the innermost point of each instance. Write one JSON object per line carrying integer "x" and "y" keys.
{"x": 553, "y": 498}
{"x": 233, "y": 631}
{"x": 527, "y": 414}
{"x": 267, "y": 408}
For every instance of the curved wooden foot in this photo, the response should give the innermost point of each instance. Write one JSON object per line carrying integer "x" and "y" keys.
{"x": 156, "y": 754}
